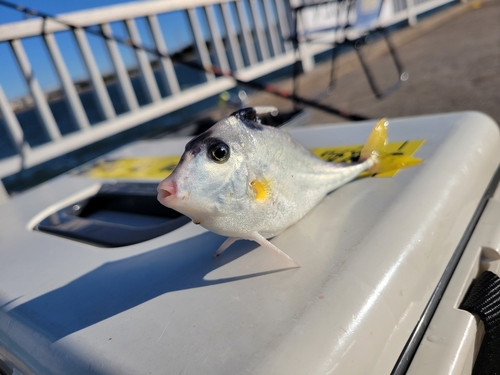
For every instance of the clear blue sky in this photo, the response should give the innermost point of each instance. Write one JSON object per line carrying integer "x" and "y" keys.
{"x": 176, "y": 35}
{"x": 52, "y": 7}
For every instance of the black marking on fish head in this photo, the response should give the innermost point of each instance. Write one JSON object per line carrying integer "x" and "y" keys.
{"x": 194, "y": 146}
{"x": 216, "y": 148}
{"x": 248, "y": 116}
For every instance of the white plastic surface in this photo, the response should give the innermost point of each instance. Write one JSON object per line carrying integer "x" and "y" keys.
{"x": 372, "y": 252}
{"x": 452, "y": 340}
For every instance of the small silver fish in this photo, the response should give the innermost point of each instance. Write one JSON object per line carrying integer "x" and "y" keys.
{"x": 245, "y": 180}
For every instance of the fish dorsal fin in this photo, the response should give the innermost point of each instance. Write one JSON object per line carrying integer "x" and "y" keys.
{"x": 252, "y": 113}
{"x": 377, "y": 141}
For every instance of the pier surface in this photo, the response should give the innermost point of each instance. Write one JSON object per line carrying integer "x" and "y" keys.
{"x": 452, "y": 58}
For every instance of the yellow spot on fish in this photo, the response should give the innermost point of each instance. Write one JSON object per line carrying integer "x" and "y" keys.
{"x": 260, "y": 189}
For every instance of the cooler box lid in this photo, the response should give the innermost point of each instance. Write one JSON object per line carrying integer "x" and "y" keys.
{"x": 372, "y": 253}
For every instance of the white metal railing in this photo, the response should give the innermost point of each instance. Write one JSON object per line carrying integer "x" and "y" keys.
{"x": 248, "y": 37}
{"x": 262, "y": 57}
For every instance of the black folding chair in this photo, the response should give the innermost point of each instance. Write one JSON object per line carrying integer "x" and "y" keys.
{"x": 345, "y": 23}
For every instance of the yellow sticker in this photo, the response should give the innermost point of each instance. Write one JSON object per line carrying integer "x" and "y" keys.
{"x": 147, "y": 168}
{"x": 159, "y": 167}
{"x": 349, "y": 154}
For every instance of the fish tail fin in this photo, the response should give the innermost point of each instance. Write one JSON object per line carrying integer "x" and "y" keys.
{"x": 375, "y": 148}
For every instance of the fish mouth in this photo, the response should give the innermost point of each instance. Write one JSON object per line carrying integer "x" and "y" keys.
{"x": 167, "y": 189}
{"x": 163, "y": 194}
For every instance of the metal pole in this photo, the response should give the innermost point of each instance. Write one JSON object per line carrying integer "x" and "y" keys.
{"x": 41, "y": 104}
{"x": 67, "y": 83}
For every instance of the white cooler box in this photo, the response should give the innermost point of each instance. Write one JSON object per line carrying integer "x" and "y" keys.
{"x": 97, "y": 278}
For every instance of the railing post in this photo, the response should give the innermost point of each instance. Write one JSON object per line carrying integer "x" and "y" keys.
{"x": 285, "y": 22}
{"x": 167, "y": 68}
{"x": 16, "y": 136}
{"x": 247, "y": 33}
{"x": 306, "y": 58}
{"x": 72, "y": 97}
{"x": 217, "y": 39}
{"x": 232, "y": 36}
{"x": 144, "y": 65}
{"x": 126, "y": 89}
{"x": 103, "y": 101}
{"x": 272, "y": 27}
{"x": 200, "y": 42}
{"x": 38, "y": 96}
{"x": 3, "y": 193}
{"x": 412, "y": 17}
{"x": 14, "y": 130}
{"x": 304, "y": 54}
{"x": 258, "y": 23}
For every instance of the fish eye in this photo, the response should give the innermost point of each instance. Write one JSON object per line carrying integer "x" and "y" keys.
{"x": 219, "y": 152}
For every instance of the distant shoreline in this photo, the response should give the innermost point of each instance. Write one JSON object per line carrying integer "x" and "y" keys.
{"x": 27, "y": 102}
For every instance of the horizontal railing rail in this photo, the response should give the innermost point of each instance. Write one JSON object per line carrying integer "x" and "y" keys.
{"x": 108, "y": 14}
{"x": 248, "y": 38}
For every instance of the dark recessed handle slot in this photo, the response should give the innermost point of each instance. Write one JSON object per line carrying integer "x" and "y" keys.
{"x": 118, "y": 215}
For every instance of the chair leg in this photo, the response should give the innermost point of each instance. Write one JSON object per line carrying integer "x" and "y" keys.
{"x": 331, "y": 84}
{"x": 403, "y": 75}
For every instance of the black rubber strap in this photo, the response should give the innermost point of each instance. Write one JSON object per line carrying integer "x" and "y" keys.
{"x": 483, "y": 299}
